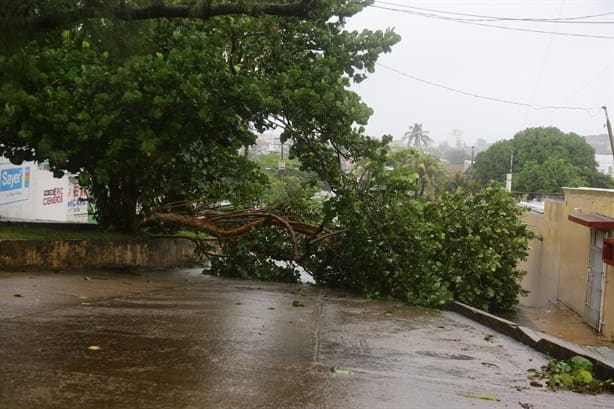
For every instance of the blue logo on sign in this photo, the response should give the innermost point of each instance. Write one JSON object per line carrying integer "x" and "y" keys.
{"x": 11, "y": 179}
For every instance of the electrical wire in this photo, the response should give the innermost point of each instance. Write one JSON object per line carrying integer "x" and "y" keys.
{"x": 457, "y": 20}
{"x": 588, "y": 110}
{"x": 480, "y": 17}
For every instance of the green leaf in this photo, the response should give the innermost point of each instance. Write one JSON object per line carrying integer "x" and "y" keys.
{"x": 579, "y": 362}
{"x": 483, "y": 396}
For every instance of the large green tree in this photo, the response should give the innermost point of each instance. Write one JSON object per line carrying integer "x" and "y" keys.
{"x": 162, "y": 118}
{"x": 544, "y": 161}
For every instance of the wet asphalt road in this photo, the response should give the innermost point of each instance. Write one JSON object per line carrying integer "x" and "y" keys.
{"x": 183, "y": 340}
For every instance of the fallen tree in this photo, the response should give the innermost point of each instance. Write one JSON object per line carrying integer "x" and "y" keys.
{"x": 231, "y": 225}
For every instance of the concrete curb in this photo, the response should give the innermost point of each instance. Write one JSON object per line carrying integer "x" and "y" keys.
{"x": 552, "y": 346}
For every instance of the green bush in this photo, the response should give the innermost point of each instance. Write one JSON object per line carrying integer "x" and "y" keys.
{"x": 462, "y": 246}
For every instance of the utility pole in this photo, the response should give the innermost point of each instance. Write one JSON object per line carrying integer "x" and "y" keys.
{"x": 609, "y": 126}
{"x": 508, "y": 178}
{"x": 471, "y": 168}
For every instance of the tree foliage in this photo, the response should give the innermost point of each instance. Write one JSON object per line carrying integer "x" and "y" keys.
{"x": 162, "y": 118}
{"x": 462, "y": 246}
{"x": 386, "y": 243}
{"x": 545, "y": 160}
{"x": 431, "y": 177}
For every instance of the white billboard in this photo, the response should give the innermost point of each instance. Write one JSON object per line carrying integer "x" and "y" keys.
{"x": 29, "y": 192}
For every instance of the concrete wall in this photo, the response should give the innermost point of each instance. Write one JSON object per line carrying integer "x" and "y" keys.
{"x": 20, "y": 255}
{"x": 543, "y": 264}
{"x": 532, "y": 265}
{"x": 557, "y": 269}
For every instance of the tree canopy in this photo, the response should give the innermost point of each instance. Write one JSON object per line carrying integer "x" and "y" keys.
{"x": 161, "y": 118}
{"x": 544, "y": 161}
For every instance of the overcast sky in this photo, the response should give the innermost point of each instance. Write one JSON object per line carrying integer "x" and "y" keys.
{"x": 540, "y": 69}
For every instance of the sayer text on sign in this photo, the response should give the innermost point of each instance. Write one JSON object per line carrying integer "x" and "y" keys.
{"x": 10, "y": 179}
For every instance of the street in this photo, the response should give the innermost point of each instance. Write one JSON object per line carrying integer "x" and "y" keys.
{"x": 184, "y": 340}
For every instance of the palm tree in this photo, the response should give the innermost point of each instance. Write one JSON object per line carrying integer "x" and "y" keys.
{"x": 417, "y": 137}
{"x": 431, "y": 175}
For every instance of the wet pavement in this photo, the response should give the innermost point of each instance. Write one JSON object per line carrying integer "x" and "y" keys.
{"x": 184, "y": 340}
{"x": 559, "y": 321}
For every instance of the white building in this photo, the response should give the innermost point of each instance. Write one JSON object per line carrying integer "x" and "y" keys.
{"x": 605, "y": 163}
{"x": 29, "y": 192}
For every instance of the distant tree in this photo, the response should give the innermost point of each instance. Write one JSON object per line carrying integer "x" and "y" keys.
{"x": 417, "y": 137}
{"x": 494, "y": 162}
{"x": 548, "y": 177}
{"x": 456, "y": 156}
{"x": 545, "y": 160}
{"x": 430, "y": 173}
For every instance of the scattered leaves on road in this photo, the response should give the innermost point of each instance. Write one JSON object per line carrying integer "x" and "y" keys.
{"x": 18, "y": 295}
{"x": 86, "y": 278}
{"x": 575, "y": 374}
{"x": 334, "y": 369}
{"x": 94, "y": 348}
{"x": 297, "y": 303}
{"x": 483, "y": 396}
{"x": 388, "y": 313}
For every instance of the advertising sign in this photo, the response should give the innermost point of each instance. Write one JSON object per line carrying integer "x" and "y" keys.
{"x": 77, "y": 201}
{"x": 14, "y": 183}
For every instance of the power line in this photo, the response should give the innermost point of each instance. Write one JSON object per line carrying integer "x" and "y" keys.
{"x": 498, "y": 18}
{"x": 465, "y": 21}
{"x": 587, "y": 110}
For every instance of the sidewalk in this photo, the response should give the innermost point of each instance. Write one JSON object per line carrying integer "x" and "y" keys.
{"x": 561, "y": 322}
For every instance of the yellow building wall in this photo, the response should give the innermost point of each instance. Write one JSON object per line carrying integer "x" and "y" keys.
{"x": 543, "y": 264}
{"x": 608, "y": 305}
{"x": 531, "y": 281}
{"x": 557, "y": 266}
{"x": 575, "y": 247}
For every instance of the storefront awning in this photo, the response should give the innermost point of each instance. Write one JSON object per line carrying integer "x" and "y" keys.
{"x": 594, "y": 220}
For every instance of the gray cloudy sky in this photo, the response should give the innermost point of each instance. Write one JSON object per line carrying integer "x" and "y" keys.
{"x": 541, "y": 69}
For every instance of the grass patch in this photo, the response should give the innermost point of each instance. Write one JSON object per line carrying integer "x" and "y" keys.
{"x": 78, "y": 231}
{"x": 58, "y": 231}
